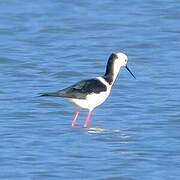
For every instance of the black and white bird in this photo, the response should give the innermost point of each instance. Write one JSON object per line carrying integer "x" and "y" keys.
{"x": 91, "y": 93}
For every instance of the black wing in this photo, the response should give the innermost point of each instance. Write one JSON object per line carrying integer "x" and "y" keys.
{"x": 80, "y": 90}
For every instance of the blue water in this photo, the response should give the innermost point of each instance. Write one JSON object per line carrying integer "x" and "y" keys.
{"x": 48, "y": 45}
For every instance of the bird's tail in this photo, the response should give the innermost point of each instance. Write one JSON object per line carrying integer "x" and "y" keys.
{"x": 55, "y": 94}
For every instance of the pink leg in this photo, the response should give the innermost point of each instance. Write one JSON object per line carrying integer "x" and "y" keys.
{"x": 87, "y": 119}
{"x": 73, "y": 124}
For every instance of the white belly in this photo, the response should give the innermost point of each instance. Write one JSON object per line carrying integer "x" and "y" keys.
{"x": 93, "y": 100}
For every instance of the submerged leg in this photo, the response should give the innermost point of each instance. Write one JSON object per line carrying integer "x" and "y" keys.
{"x": 73, "y": 124}
{"x": 87, "y": 119}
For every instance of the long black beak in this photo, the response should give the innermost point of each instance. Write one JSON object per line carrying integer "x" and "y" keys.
{"x": 130, "y": 72}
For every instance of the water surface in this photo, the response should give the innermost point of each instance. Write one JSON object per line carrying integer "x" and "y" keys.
{"x": 46, "y": 46}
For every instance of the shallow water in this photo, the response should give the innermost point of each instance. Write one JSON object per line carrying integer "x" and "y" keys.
{"x": 46, "y": 46}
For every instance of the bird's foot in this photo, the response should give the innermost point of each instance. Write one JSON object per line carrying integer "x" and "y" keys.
{"x": 85, "y": 125}
{"x": 73, "y": 125}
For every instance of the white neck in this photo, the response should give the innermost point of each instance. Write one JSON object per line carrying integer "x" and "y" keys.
{"x": 117, "y": 68}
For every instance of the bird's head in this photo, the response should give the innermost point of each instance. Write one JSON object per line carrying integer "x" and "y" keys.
{"x": 115, "y": 62}
{"x": 120, "y": 59}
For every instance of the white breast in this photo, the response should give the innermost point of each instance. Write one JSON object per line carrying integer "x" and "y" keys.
{"x": 93, "y": 100}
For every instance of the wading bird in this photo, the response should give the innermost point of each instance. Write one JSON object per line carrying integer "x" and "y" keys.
{"x": 91, "y": 93}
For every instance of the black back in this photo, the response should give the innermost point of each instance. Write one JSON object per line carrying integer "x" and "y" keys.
{"x": 80, "y": 90}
